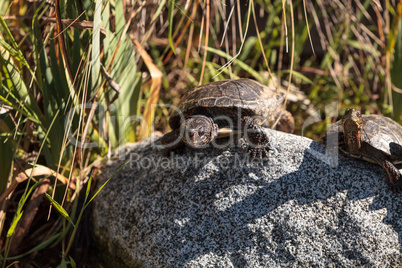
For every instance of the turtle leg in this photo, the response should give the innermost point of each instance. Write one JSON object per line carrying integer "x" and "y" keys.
{"x": 394, "y": 177}
{"x": 286, "y": 121}
{"x": 172, "y": 140}
{"x": 256, "y": 139}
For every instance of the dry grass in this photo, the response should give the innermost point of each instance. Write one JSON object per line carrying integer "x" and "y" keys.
{"x": 122, "y": 58}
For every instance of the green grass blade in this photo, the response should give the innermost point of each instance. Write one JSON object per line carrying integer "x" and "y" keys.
{"x": 170, "y": 15}
{"x": 14, "y": 82}
{"x": 299, "y": 75}
{"x": 120, "y": 18}
{"x": 11, "y": 39}
{"x": 14, "y": 45}
{"x": 59, "y": 208}
{"x": 104, "y": 184}
{"x": 12, "y": 51}
{"x": 23, "y": 111}
{"x": 72, "y": 262}
{"x": 158, "y": 11}
{"x": 241, "y": 64}
{"x": 41, "y": 246}
{"x": 63, "y": 264}
{"x": 88, "y": 188}
{"x": 16, "y": 220}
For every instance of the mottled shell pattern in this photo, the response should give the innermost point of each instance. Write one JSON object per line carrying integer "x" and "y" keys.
{"x": 380, "y": 132}
{"x": 248, "y": 95}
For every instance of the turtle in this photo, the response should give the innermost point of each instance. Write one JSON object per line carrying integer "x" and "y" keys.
{"x": 220, "y": 109}
{"x": 373, "y": 138}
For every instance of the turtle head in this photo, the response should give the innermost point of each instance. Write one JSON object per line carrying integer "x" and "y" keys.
{"x": 352, "y": 123}
{"x": 198, "y": 130}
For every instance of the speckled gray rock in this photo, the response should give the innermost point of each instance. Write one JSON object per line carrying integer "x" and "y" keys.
{"x": 213, "y": 208}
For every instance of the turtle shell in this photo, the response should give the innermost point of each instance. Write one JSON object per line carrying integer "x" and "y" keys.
{"x": 380, "y": 132}
{"x": 228, "y": 98}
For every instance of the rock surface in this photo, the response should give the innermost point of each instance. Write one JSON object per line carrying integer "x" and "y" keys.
{"x": 213, "y": 208}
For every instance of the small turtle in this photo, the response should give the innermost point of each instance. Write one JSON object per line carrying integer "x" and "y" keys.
{"x": 219, "y": 109}
{"x": 373, "y": 138}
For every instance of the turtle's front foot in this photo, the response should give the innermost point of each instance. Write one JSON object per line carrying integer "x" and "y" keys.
{"x": 171, "y": 141}
{"x": 394, "y": 176}
{"x": 396, "y": 184}
{"x": 256, "y": 139}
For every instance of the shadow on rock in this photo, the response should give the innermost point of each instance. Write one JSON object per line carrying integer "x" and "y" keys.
{"x": 211, "y": 207}
{"x": 287, "y": 216}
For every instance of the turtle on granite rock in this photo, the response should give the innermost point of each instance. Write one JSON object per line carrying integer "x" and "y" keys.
{"x": 373, "y": 138}
{"x": 219, "y": 109}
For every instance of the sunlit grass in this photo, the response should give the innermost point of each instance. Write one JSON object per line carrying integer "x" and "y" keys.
{"x": 91, "y": 73}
